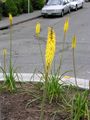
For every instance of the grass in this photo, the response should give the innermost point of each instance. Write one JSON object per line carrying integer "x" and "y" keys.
{"x": 54, "y": 89}
{"x": 80, "y": 108}
{"x": 9, "y": 78}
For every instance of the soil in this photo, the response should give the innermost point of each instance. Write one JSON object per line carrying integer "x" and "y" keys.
{"x": 17, "y": 106}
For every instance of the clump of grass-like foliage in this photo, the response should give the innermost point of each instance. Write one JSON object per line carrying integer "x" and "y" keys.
{"x": 9, "y": 78}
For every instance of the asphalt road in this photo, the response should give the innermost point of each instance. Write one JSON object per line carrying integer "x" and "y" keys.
{"x": 26, "y": 50}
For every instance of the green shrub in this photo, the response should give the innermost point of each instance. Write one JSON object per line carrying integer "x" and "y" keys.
{"x": 19, "y": 6}
{"x": 0, "y": 14}
{"x": 19, "y": 3}
{"x": 22, "y": 6}
{"x": 10, "y": 7}
{"x": 25, "y": 6}
{"x": 37, "y": 4}
{"x": 0, "y": 10}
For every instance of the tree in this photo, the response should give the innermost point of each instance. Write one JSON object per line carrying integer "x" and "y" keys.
{"x": 37, "y": 4}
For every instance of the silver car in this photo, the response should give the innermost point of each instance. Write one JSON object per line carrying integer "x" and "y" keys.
{"x": 56, "y": 7}
{"x": 75, "y": 4}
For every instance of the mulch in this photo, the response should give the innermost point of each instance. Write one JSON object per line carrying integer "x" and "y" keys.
{"x": 17, "y": 106}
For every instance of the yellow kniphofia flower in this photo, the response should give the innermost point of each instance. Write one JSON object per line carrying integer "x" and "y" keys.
{"x": 66, "y": 25}
{"x": 38, "y": 28}
{"x": 50, "y": 48}
{"x": 74, "y": 40}
{"x": 4, "y": 51}
{"x": 10, "y": 18}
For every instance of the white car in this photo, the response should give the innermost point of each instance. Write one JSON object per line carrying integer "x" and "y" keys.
{"x": 56, "y": 7}
{"x": 75, "y": 4}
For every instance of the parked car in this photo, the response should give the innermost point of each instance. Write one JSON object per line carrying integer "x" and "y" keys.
{"x": 87, "y": 0}
{"x": 75, "y": 4}
{"x": 56, "y": 7}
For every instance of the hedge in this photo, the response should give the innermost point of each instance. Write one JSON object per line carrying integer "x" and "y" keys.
{"x": 16, "y": 7}
{"x": 37, "y": 4}
{"x": 0, "y": 10}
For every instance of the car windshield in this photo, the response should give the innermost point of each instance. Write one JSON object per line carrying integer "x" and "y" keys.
{"x": 54, "y": 2}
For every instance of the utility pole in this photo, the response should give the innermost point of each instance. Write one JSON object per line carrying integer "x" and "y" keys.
{"x": 28, "y": 6}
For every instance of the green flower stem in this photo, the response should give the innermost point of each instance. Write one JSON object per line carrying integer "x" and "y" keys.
{"x": 44, "y": 97}
{"x": 74, "y": 67}
{"x": 10, "y": 46}
{"x": 4, "y": 72}
{"x": 4, "y": 63}
{"x": 10, "y": 67}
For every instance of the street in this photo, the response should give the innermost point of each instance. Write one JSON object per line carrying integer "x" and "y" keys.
{"x": 27, "y": 57}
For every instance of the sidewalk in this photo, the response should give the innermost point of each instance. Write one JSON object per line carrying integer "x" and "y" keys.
{"x": 66, "y": 80}
{"x": 4, "y": 24}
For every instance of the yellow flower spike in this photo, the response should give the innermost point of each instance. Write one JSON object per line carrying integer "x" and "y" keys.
{"x": 74, "y": 40}
{"x": 4, "y": 51}
{"x": 38, "y": 28}
{"x": 10, "y": 19}
{"x": 50, "y": 48}
{"x": 66, "y": 25}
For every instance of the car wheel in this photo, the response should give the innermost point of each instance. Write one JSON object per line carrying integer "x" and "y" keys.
{"x": 82, "y": 5}
{"x": 44, "y": 16}
{"x": 62, "y": 13}
{"x": 76, "y": 8}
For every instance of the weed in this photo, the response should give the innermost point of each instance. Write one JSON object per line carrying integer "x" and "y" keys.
{"x": 54, "y": 89}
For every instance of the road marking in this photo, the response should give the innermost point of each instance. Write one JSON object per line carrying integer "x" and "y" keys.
{"x": 82, "y": 83}
{"x": 67, "y": 77}
{"x": 67, "y": 80}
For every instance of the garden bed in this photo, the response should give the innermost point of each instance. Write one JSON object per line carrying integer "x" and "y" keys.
{"x": 25, "y": 104}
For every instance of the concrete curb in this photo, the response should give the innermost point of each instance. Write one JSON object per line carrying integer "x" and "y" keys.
{"x": 5, "y": 24}
{"x": 66, "y": 80}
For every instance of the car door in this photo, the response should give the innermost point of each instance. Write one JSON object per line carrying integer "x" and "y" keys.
{"x": 65, "y": 4}
{"x": 79, "y": 3}
{"x": 68, "y": 4}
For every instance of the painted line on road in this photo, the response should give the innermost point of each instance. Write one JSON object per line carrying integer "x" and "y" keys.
{"x": 82, "y": 83}
{"x": 67, "y": 80}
